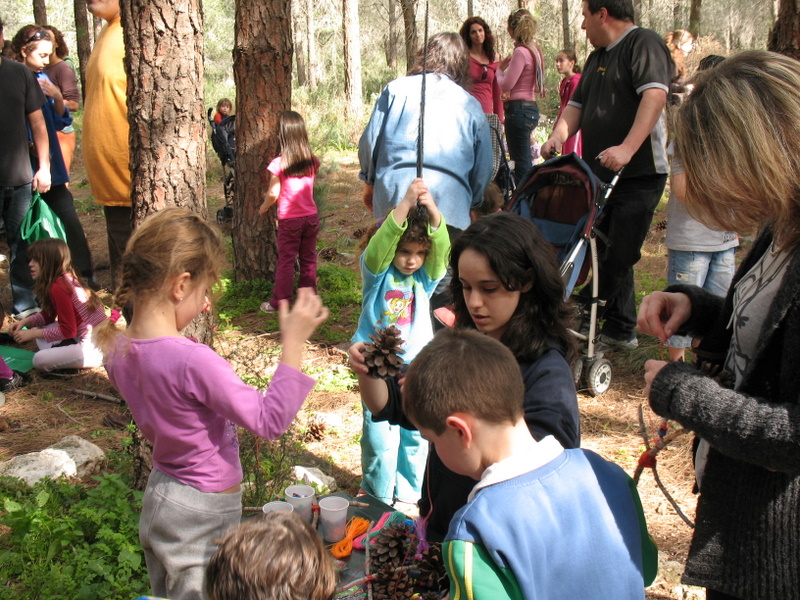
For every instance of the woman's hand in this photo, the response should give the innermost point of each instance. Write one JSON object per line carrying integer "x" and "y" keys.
{"x": 651, "y": 369}
{"x": 50, "y": 89}
{"x": 503, "y": 64}
{"x": 662, "y": 313}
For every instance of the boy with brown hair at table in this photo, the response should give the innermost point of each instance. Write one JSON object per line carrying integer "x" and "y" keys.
{"x": 275, "y": 556}
{"x": 542, "y": 522}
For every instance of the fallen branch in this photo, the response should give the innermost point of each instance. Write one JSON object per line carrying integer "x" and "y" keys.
{"x": 98, "y": 396}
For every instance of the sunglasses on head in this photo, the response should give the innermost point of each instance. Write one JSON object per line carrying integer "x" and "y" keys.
{"x": 42, "y": 34}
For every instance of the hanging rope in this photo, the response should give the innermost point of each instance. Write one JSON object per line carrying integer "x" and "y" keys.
{"x": 421, "y": 130}
{"x": 648, "y": 459}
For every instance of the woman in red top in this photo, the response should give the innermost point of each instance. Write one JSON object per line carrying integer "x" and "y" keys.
{"x": 482, "y": 65}
{"x": 70, "y": 311}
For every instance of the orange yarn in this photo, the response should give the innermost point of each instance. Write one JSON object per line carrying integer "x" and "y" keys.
{"x": 355, "y": 527}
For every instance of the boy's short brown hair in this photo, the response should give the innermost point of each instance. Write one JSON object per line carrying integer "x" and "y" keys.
{"x": 463, "y": 370}
{"x": 276, "y": 556}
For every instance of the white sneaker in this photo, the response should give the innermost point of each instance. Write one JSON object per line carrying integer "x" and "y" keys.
{"x": 267, "y": 308}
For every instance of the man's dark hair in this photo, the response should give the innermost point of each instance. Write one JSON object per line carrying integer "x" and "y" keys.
{"x": 621, "y": 10}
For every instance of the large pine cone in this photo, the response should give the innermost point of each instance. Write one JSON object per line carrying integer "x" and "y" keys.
{"x": 383, "y": 355}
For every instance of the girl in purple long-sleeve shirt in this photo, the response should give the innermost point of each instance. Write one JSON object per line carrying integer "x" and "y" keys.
{"x": 187, "y": 400}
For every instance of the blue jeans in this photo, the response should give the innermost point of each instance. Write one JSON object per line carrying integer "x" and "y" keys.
{"x": 520, "y": 123}
{"x": 712, "y": 271}
{"x": 14, "y": 203}
{"x": 392, "y": 461}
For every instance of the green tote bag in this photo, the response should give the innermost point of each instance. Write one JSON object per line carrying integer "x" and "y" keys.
{"x": 41, "y": 222}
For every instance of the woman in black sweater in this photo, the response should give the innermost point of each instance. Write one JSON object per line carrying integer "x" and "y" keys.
{"x": 739, "y": 135}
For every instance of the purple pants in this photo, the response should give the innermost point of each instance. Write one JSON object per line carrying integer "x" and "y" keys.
{"x": 5, "y": 370}
{"x": 297, "y": 239}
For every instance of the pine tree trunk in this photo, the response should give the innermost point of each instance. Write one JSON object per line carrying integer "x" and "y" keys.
{"x": 311, "y": 44}
{"x": 39, "y": 12}
{"x": 164, "y": 60}
{"x": 262, "y": 68}
{"x": 410, "y": 23}
{"x": 695, "y": 16}
{"x": 565, "y": 24}
{"x": 352, "y": 58}
{"x": 83, "y": 38}
{"x": 785, "y": 35}
{"x": 390, "y": 41}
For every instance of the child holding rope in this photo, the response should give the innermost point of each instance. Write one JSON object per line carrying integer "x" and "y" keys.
{"x": 506, "y": 284}
{"x": 403, "y": 261}
{"x": 543, "y": 522}
{"x": 187, "y": 400}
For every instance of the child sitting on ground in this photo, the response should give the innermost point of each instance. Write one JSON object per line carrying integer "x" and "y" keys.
{"x": 542, "y": 522}
{"x": 276, "y": 556}
{"x": 400, "y": 267}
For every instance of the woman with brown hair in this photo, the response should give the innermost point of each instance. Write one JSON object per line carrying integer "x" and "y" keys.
{"x": 61, "y": 73}
{"x": 739, "y": 136}
{"x": 477, "y": 35}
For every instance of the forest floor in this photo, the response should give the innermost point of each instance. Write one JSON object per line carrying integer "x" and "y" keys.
{"x": 46, "y": 410}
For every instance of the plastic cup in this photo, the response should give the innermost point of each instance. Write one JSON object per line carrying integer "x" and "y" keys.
{"x": 277, "y": 506}
{"x": 301, "y": 497}
{"x": 333, "y": 517}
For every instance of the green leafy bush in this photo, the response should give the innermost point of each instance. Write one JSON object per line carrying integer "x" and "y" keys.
{"x": 72, "y": 541}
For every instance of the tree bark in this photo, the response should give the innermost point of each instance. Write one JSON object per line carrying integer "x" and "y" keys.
{"x": 352, "y": 58}
{"x": 166, "y": 112}
{"x": 262, "y": 68}
{"x": 637, "y": 12}
{"x": 311, "y": 44}
{"x": 695, "y": 16}
{"x": 164, "y": 60}
{"x": 409, "y": 9}
{"x": 677, "y": 15}
{"x": 785, "y": 35}
{"x": 566, "y": 27}
{"x": 84, "y": 40}
{"x": 298, "y": 27}
{"x": 39, "y": 12}
{"x": 391, "y": 39}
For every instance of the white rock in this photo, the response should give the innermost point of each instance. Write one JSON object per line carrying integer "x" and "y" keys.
{"x": 87, "y": 456}
{"x": 37, "y": 465}
{"x": 72, "y": 456}
{"x": 314, "y": 477}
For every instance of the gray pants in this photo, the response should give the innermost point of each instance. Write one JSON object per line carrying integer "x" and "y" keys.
{"x": 178, "y": 528}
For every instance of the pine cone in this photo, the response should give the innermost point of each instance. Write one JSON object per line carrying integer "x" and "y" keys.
{"x": 431, "y": 573}
{"x": 382, "y": 355}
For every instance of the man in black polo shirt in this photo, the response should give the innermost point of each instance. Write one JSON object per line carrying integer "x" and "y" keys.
{"x": 618, "y": 106}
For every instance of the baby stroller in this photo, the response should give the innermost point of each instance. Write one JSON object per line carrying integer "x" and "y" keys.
{"x": 223, "y": 138}
{"x": 565, "y": 199}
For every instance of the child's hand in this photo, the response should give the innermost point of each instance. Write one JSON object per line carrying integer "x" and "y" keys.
{"x": 415, "y": 190}
{"x": 357, "y": 363}
{"x": 429, "y": 203}
{"x": 16, "y": 325}
{"x": 25, "y": 335}
{"x": 299, "y": 323}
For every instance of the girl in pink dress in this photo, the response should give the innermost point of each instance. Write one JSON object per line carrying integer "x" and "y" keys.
{"x": 567, "y": 66}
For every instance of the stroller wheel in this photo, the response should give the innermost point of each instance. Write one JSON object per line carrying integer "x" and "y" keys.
{"x": 598, "y": 379}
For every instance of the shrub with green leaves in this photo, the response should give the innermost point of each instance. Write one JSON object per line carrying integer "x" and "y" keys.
{"x": 71, "y": 541}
